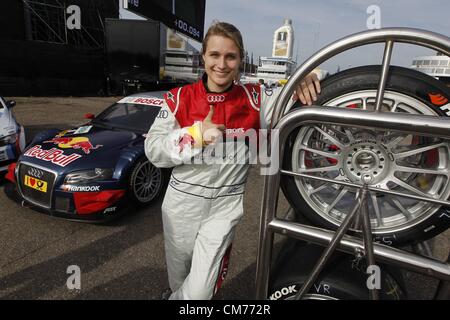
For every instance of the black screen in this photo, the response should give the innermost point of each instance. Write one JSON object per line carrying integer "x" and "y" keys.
{"x": 184, "y": 16}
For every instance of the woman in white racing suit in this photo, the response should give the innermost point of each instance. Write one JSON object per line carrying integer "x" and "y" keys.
{"x": 204, "y": 199}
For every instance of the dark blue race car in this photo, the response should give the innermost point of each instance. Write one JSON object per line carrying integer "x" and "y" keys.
{"x": 93, "y": 171}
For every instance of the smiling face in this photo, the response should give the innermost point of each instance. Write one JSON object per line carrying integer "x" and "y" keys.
{"x": 222, "y": 61}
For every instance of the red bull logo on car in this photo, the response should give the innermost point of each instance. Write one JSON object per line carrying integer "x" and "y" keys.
{"x": 82, "y": 143}
{"x": 53, "y": 155}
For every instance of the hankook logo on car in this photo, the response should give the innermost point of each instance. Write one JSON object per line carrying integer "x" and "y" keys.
{"x": 81, "y": 188}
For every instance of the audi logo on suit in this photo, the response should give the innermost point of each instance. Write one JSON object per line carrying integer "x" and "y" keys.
{"x": 215, "y": 98}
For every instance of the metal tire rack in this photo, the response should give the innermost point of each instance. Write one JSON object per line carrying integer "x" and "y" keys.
{"x": 284, "y": 123}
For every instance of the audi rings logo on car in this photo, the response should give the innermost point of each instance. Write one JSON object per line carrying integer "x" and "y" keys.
{"x": 216, "y": 98}
{"x": 163, "y": 114}
{"x": 35, "y": 173}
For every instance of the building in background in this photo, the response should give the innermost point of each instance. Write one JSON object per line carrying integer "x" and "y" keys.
{"x": 180, "y": 20}
{"x": 81, "y": 47}
{"x": 181, "y": 59}
{"x": 277, "y": 69}
{"x": 281, "y": 65}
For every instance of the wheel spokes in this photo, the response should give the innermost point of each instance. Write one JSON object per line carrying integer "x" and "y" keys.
{"x": 408, "y": 187}
{"x": 443, "y": 172}
{"x": 343, "y": 191}
{"x": 330, "y": 137}
{"x": 402, "y": 209}
{"x": 397, "y": 161}
{"x": 146, "y": 182}
{"x": 320, "y": 152}
{"x": 417, "y": 151}
{"x": 321, "y": 169}
{"x": 376, "y": 208}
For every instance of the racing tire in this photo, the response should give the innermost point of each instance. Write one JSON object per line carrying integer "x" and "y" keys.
{"x": 406, "y": 91}
{"x": 341, "y": 278}
{"x": 146, "y": 182}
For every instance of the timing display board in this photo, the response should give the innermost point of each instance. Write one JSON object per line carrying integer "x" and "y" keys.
{"x": 184, "y": 16}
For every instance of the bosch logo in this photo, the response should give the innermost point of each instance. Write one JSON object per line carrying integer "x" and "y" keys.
{"x": 36, "y": 173}
{"x": 149, "y": 101}
{"x": 216, "y": 98}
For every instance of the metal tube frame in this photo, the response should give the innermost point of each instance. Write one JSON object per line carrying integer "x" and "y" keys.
{"x": 419, "y": 37}
{"x": 283, "y": 124}
{"x": 329, "y": 251}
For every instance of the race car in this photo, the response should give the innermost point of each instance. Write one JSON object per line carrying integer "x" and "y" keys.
{"x": 12, "y": 135}
{"x": 93, "y": 171}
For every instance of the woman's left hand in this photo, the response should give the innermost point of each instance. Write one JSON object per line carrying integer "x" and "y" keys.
{"x": 308, "y": 89}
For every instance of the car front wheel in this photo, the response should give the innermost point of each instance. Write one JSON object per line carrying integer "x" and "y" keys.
{"x": 396, "y": 161}
{"x": 146, "y": 182}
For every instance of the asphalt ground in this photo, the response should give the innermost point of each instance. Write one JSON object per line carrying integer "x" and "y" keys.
{"x": 123, "y": 259}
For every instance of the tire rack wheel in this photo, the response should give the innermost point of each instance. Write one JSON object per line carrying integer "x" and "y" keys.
{"x": 400, "y": 162}
{"x": 341, "y": 279}
{"x": 146, "y": 182}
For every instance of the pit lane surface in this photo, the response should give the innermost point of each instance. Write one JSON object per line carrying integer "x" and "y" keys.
{"x": 123, "y": 259}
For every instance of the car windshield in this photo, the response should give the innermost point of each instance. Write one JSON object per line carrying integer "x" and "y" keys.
{"x": 129, "y": 116}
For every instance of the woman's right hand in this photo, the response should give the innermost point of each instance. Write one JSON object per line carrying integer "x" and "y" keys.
{"x": 211, "y": 131}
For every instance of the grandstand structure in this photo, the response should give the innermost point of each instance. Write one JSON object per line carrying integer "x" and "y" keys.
{"x": 46, "y": 20}
{"x": 45, "y": 54}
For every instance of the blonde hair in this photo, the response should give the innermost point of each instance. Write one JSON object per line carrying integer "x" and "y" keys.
{"x": 227, "y": 30}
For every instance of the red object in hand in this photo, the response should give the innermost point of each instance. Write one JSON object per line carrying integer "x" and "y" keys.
{"x": 186, "y": 139}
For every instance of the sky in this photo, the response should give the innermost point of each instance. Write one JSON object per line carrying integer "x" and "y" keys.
{"x": 318, "y": 23}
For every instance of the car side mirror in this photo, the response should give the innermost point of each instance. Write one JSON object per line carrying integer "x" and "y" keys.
{"x": 89, "y": 116}
{"x": 10, "y": 103}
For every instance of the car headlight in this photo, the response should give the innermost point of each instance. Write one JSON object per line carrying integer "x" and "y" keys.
{"x": 9, "y": 139}
{"x": 89, "y": 176}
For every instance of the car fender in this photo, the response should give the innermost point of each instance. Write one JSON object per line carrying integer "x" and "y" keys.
{"x": 126, "y": 160}
{"x": 44, "y": 135}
